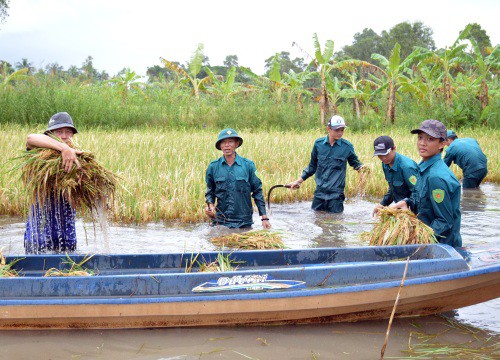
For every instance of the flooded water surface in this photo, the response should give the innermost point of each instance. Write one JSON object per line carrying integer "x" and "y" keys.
{"x": 472, "y": 330}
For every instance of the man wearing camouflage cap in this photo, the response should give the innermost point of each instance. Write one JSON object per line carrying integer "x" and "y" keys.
{"x": 232, "y": 181}
{"x": 437, "y": 193}
{"x": 469, "y": 157}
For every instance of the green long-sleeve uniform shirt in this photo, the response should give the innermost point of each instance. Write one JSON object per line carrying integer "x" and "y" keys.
{"x": 329, "y": 163}
{"x": 438, "y": 200}
{"x": 231, "y": 189}
{"x": 467, "y": 154}
{"x": 401, "y": 177}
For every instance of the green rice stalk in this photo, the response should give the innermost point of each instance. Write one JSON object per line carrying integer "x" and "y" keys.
{"x": 399, "y": 227}
{"x": 251, "y": 240}
{"x": 191, "y": 263}
{"x": 75, "y": 269}
{"x": 6, "y": 269}
{"x": 221, "y": 264}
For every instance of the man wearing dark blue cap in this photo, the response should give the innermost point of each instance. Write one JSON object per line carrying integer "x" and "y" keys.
{"x": 400, "y": 171}
{"x": 329, "y": 158}
{"x": 437, "y": 193}
{"x": 51, "y": 226}
{"x": 232, "y": 181}
{"x": 467, "y": 154}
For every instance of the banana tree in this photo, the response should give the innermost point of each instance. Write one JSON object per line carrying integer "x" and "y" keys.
{"x": 224, "y": 88}
{"x": 295, "y": 82}
{"x": 194, "y": 67}
{"x": 423, "y": 83}
{"x": 449, "y": 60}
{"x": 355, "y": 92}
{"x": 334, "y": 89}
{"x": 276, "y": 82}
{"x": 393, "y": 70}
{"x": 484, "y": 67}
{"x": 414, "y": 86}
{"x": 359, "y": 87}
{"x": 322, "y": 63}
{"x": 273, "y": 84}
{"x": 125, "y": 82}
{"x": 6, "y": 78}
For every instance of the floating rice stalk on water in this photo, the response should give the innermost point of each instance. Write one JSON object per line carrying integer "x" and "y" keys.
{"x": 75, "y": 269}
{"x": 480, "y": 346}
{"x": 399, "y": 227}
{"x": 6, "y": 269}
{"x": 250, "y": 240}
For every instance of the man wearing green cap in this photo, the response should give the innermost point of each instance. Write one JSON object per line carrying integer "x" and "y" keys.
{"x": 231, "y": 183}
{"x": 437, "y": 192}
{"x": 467, "y": 154}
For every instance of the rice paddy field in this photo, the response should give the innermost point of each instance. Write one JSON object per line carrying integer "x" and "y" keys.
{"x": 163, "y": 180}
{"x": 163, "y": 171}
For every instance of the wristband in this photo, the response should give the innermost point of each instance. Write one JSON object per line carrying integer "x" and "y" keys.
{"x": 266, "y": 219}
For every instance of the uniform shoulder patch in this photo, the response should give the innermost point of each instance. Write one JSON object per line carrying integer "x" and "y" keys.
{"x": 413, "y": 179}
{"x": 438, "y": 195}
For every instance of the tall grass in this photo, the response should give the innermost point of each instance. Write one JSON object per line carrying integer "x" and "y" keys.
{"x": 163, "y": 170}
{"x": 170, "y": 106}
{"x": 99, "y": 105}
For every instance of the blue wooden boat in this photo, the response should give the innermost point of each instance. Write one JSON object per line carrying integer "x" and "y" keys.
{"x": 268, "y": 287}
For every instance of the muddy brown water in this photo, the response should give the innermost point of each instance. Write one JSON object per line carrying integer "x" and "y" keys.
{"x": 474, "y": 327}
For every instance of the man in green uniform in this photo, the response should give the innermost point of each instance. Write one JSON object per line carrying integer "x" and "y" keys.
{"x": 437, "y": 193}
{"x": 467, "y": 154}
{"x": 231, "y": 183}
{"x": 329, "y": 158}
{"x": 400, "y": 171}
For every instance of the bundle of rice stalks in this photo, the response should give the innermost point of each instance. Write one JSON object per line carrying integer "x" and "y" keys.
{"x": 251, "y": 240}
{"x": 363, "y": 175}
{"x": 75, "y": 269}
{"x": 91, "y": 187}
{"x": 6, "y": 269}
{"x": 399, "y": 227}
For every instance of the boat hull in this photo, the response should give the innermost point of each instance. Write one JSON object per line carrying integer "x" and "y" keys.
{"x": 421, "y": 296}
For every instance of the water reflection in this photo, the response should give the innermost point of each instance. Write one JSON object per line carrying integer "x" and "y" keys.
{"x": 301, "y": 228}
{"x": 299, "y": 225}
{"x": 473, "y": 200}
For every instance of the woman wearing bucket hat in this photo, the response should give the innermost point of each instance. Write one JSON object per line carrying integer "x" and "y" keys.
{"x": 437, "y": 193}
{"x": 231, "y": 183}
{"x": 51, "y": 226}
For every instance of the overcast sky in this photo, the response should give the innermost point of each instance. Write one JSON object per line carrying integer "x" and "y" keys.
{"x": 134, "y": 34}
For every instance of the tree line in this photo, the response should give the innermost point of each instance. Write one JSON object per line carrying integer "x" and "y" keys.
{"x": 373, "y": 74}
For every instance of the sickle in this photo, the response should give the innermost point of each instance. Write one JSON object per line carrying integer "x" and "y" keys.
{"x": 269, "y": 193}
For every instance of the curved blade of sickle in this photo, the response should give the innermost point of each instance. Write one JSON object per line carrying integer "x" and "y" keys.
{"x": 269, "y": 194}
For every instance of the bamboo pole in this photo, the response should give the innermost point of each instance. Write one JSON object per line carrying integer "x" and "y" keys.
{"x": 382, "y": 352}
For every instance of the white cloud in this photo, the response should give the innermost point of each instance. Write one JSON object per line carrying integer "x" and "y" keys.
{"x": 135, "y": 34}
